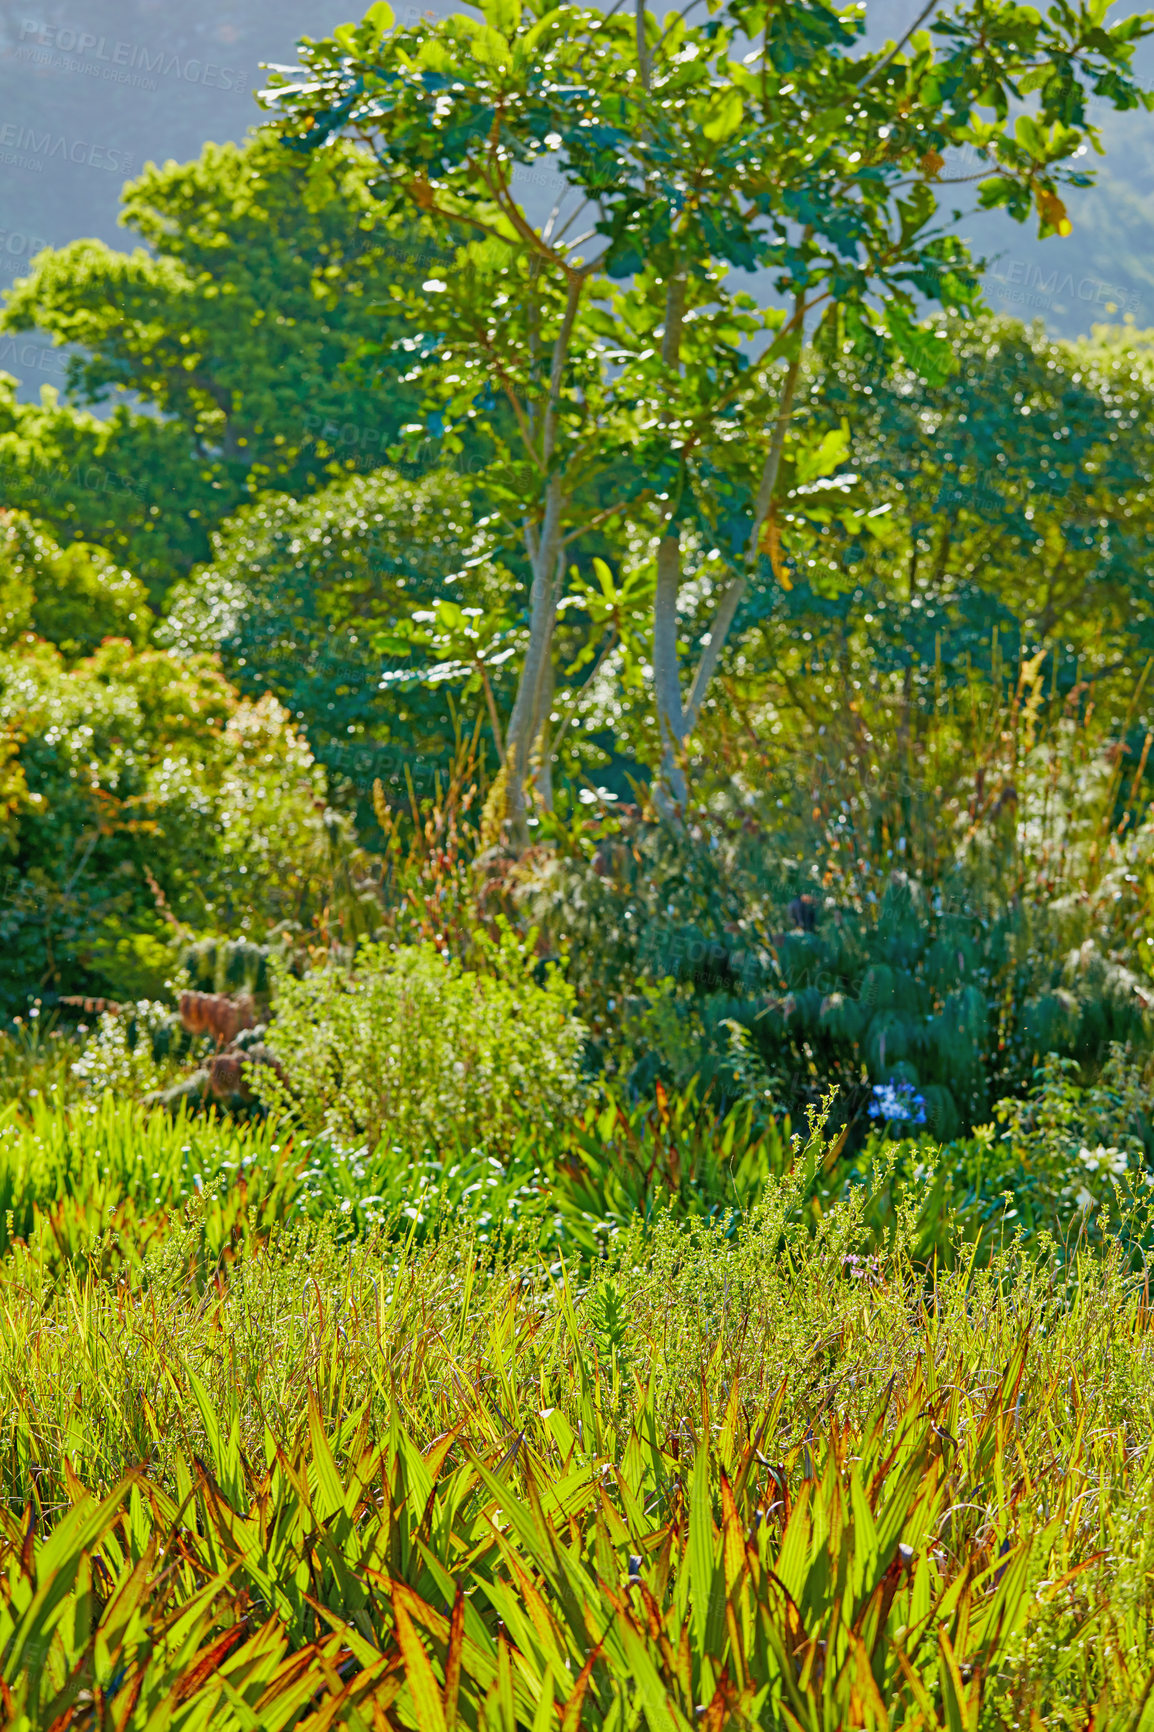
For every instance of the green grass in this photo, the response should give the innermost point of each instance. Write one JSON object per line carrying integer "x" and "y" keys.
{"x": 36, "y": 1058}
{"x": 268, "y": 1465}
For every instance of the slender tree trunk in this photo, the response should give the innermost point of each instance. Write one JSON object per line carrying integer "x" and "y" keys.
{"x": 677, "y": 718}
{"x": 548, "y": 565}
{"x": 672, "y": 788}
{"x": 546, "y": 552}
{"x": 541, "y": 751}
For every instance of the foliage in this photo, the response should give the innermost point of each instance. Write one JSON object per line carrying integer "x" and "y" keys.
{"x": 1010, "y": 512}
{"x": 812, "y": 158}
{"x": 429, "y": 1481}
{"x": 36, "y": 1058}
{"x": 408, "y": 1044}
{"x": 143, "y": 799}
{"x": 297, "y": 596}
{"x": 121, "y": 1056}
{"x": 1050, "y": 1161}
{"x": 98, "y": 1187}
{"x": 943, "y": 928}
{"x": 260, "y": 277}
{"x": 516, "y": 1365}
{"x": 72, "y": 597}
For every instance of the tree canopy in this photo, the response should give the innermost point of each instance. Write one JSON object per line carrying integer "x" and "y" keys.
{"x": 632, "y": 344}
{"x": 218, "y": 351}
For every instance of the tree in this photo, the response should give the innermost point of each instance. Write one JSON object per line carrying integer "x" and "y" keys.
{"x": 811, "y": 158}
{"x": 71, "y": 597}
{"x": 299, "y": 593}
{"x": 1013, "y": 500}
{"x": 505, "y": 325}
{"x": 262, "y": 275}
{"x": 1010, "y": 518}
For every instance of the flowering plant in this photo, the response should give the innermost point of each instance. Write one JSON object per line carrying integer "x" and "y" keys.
{"x": 898, "y": 1103}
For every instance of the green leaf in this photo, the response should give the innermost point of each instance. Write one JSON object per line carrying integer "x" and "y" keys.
{"x": 418, "y": 1672}
{"x": 379, "y": 18}
{"x": 927, "y": 351}
{"x": 724, "y": 116}
{"x": 701, "y": 1542}
{"x": 491, "y": 47}
{"x": 390, "y": 643}
{"x": 822, "y": 459}
{"x": 504, "y": 16}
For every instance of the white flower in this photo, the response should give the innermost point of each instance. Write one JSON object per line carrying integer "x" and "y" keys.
{"x": 1084, "y": 1199}
{"x": 1113, "y": 1159}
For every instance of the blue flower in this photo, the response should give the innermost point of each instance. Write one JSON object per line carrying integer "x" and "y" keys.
{"x": 898, "y": 1103}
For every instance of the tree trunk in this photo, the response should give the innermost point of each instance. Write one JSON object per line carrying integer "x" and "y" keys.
{"x": 546, "y": 551}
{"x": 524, "y": 723}
{"x": 541, "y": 750}
{"x": 677, "y": 719}
{"x": 671, "y": 789}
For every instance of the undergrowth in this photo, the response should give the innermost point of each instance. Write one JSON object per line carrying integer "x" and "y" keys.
{"x": 269, "y": 1464}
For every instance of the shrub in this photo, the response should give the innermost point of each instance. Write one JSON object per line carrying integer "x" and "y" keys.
{"x": 945, "y": 938}
{"x": 1058, "y": 1161}
{"x": 120, "y": 1056}
{"x": 36, "y": 1058}
{"x": 409, "y": 1046}
{"x": 299, "y": 589}
{"x": 140, "y": 798}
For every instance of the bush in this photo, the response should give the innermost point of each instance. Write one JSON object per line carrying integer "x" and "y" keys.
{"x": 141, "y": 800}
{"x": 942, "y": 939}
{"x": 297, "y": 592}
{"x": 410, "y": 1047}
{"x": 120, "y": 1056}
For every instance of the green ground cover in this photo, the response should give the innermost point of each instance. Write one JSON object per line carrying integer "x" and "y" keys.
{"x": 506, "y": 1455}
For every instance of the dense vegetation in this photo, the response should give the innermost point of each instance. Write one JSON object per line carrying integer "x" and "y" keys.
{"x": 577, "y": 904}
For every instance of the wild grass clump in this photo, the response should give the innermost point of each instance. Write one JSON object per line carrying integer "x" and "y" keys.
{"x": 96, "y": 1185}
{"x": 36, "y": 1059}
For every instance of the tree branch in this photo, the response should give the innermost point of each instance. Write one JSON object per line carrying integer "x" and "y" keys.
{"x": 897, "y": 47}
{"x": 557, "y": 370}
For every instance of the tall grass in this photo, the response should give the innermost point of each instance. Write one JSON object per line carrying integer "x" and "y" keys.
{"x": 755, "y": 1470}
